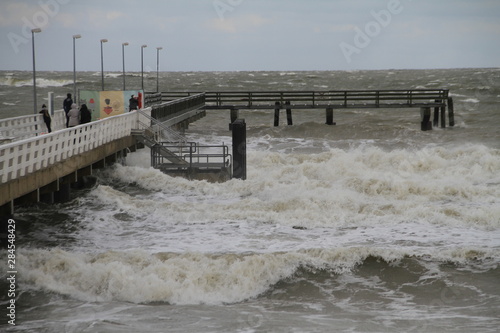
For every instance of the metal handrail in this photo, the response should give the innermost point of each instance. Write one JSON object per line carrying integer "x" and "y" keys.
{"x": 158, "y": 129}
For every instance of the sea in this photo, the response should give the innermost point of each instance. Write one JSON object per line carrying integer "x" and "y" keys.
{"x": 371, "y": 225}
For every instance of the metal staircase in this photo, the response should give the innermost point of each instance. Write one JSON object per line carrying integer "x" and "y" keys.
{"x": 171, "y": 153}
{"x": 152, "y": 135}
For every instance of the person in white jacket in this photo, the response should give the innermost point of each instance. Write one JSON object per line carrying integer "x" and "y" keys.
{"x": 74, "y": 116}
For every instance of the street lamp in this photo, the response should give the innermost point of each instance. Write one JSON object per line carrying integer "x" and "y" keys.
{"x": 142, "y": 65}
{"x": 33, "y": 31}
{"x": 123, "y": 57}
{"x": 102, "y": 64}
{"x": 158, "y": 66}
{"x": 75, "y": 37}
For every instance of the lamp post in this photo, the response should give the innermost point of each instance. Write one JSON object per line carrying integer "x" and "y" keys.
{"x": 142, "y": 65}
{"x": 75, "y": 37}
{"x": 123, "y": 57}
{"x": 33, "y": 31}
{"x": 158, "y": 67}
{"x": 102, "y": 64}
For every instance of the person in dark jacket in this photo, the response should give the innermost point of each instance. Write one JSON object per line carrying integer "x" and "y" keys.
{"x": 85, "y": 115}
{"x": 67, "y": 106}
{"x": 46, "y": 117}
{"x": 133, "y": 103}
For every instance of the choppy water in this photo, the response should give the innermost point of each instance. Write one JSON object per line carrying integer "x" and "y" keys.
{"x": 368, "y": 226}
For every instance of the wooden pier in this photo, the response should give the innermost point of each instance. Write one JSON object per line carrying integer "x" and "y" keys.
{"x": 425, "y": 99}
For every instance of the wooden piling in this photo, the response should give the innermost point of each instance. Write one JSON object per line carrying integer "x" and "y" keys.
{"x": 436, "y": 114}
{"x": 329, "y": 116}
{"x": 425, "y": 114}
{"x": 443, "y": 116}
{"x": 451, "y": 112}
{"x": 277, "y": 114}
{"x": 288, "y": 113}
{"x": 239, "y": 130}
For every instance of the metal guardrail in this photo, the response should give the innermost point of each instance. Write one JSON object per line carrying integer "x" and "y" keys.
{"x": 161, "y": 132}
{"x": 184, "y": 104}
{"x": 197, "y": 156}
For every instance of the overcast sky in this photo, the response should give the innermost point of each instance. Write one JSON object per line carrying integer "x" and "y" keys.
{"x": 227, "y": 35}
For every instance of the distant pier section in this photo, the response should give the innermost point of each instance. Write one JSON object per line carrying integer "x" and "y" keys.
{"x": 425, "y": 99}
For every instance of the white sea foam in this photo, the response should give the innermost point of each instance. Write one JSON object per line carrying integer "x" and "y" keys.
{"x": 366, "y": 185}
{"x": 471, "y": 100}
{"x": 188, "y": 278}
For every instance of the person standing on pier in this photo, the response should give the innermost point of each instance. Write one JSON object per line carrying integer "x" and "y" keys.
{"x": 73, "y": 116}
{"x": 133, "y": 103}
{"x": 46, "y": 117}
{"x": 68, "y": 102}
{"x": 85, "y": 115}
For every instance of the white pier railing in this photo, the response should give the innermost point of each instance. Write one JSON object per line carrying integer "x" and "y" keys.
{"x": 24, "y": 127}
{"x": 25, "y": 156}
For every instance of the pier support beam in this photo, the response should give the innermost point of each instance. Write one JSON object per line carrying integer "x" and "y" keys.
{"x": 277, "y": 114}
{"x": 239, "y": 129}
{"x": 329, "y": 117}
{"x": 435, "y": 121}
{"x": 288, "y": 113}
{"x": 426, "y": 124}
{"x": 443, "y": 116}
{"x": 47, "y": 192}
{"x": 64, "y": 193}
{"x": 451, "y": 112}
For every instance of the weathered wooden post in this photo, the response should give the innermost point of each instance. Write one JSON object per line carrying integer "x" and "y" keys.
{"x": 288, "y": 113}
{"x": 451, "y": 112}
{"x": 277, "y": 114}
{"x": 239, "y": 129}
{"x": 329, "y": 116}
{"x": 436, "y": 114}
{"x": 443, "y": 116}
{"x": 234, "y": 115}
{"x": 426, "y": 124}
